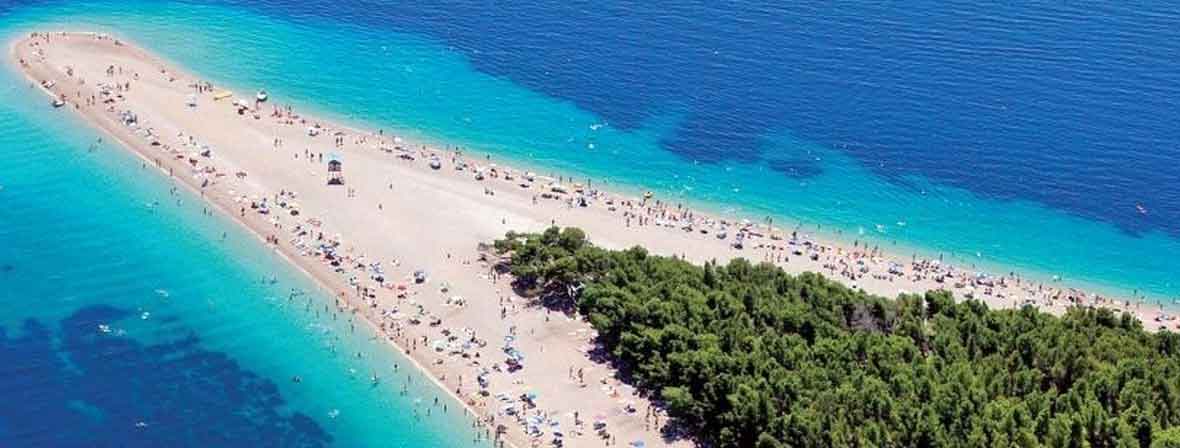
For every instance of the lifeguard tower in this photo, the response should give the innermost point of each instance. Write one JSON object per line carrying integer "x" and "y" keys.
{"x": 335, "y": 171}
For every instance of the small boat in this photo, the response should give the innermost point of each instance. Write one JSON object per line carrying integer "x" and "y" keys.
{"x": 58, "y": 103}
{"x": 261, "y": 96}
{"x": 1142, "y": 210}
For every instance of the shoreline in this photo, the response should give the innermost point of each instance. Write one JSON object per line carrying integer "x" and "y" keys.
{"x": 321, "y": 282}
{"x": 220, "y": 189}
{"x": 814, "y": 230}
{"x": 844, "y": 237}
{"x": 819, "y": 231}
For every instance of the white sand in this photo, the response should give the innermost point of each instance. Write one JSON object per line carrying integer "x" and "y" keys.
{"x": 394, "y": 209}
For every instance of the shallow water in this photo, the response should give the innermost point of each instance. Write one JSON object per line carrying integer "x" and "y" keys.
{"x": 1008, "y": 137}
{"x": 1011, "y": 137}
{"x": 129, "y": 319}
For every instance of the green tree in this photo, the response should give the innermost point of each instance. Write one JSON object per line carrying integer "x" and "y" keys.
{"x": 748, "y": 355}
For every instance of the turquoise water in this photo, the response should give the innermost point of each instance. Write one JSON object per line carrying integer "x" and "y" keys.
{"x": 423, "y": 88}
{"x": 202, "y": 346}
{"x": 77, "y": 233}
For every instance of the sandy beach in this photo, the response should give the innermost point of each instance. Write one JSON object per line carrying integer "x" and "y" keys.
{"x": 393, "y": 229}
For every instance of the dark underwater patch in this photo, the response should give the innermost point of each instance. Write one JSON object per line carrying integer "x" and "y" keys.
{"x": 82, "y": 386}
{"x": 796, "y": 168}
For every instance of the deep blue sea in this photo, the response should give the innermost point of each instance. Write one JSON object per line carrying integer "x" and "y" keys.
{"x": 1014, "y": 136}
